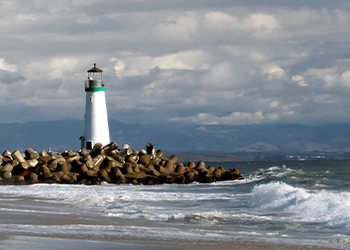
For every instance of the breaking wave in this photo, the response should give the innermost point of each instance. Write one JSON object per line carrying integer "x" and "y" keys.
{"x": 332, "y": 208}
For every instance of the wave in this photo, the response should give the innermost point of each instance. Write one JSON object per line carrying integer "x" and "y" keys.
{"x": 211, "y": 217}
{"x": 85, "y": 195}
{"x": 329, "y": 207}
{"x": 275, "y": 171}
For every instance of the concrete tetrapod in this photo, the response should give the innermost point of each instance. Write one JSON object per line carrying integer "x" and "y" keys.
{"x": 106, "y": 164}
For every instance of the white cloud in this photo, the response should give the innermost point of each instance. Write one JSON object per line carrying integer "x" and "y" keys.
{"x": 300, "y": 81}
{"x": 6, "y": 66}
{"x": 235, "y": 118}
{"x": 221, "y": 21}
{"x": 345, "y": 78}
{"x": 182, "y": 60}
{"x": 55, "y": 67}
{"x": 118, "y": 66}
{"x": 178, "y": 28}
{"x": 133, "y": 65}
{"x": 319, "y": 73}
{"x": 274, "y": 104}
{"x": 220, "y": 74}
{"x": 64, "y": 64}
{"x": 261, "y": 21}
{"x": 26, "y": 17}
{"x": 231, "y": 49}
{"x": 273, "y": 71}
{"x": 56, "y": 73}
{"x": 325, "y": 98}
{"x": 258, "y": 57}
{"x": 332, "y": 80}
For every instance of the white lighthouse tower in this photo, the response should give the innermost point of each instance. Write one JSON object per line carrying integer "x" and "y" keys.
{"x": 96, "y": 120}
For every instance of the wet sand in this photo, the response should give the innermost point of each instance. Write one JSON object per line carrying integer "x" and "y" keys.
{"x": 16, "y": 242}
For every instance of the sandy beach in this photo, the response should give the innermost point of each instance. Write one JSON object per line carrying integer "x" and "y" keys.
{"x": 15, "y": 242}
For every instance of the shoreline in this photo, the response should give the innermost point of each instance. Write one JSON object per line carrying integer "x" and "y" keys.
{"x": 198, "y": 216}
{"x": 55, "y": 242}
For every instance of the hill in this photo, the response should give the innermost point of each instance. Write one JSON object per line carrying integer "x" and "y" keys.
{"x": 217, "y": 139}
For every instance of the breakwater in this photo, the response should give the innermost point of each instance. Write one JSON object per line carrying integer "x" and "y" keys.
{"x": 106, "y": 164}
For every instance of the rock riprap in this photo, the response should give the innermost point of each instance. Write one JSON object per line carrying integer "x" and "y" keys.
{"x": 106, "y": 164}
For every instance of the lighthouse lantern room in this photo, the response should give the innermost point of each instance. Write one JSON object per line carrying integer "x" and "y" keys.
{"x": 96, "y": 120}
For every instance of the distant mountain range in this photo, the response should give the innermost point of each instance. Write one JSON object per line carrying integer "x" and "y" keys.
{"x": 227, "y": 139}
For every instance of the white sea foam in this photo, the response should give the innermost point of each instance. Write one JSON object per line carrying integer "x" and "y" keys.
{"x": 332, "y": 208}
{"x": 275, "y": 171}
{"x": 85, "y": 195}
{"x": 126, "y": 201}
{"x": 276, "y": 195}
{"x": 31, "y": 211}
{"x": 209, "y": 217}
{"x": 221, "y": 211}
{"x": 131, "y": 232}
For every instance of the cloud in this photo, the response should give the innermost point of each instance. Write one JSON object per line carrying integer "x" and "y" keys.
{"x": 221, "y": 21}
{"x": 273, "y": 72}
{"x": 261, "y": 21}
{"x": 235, "y": 118}
{"x": 319, "y": 73}
{"x": 220, "y": 75}
{"x": 300, "y": 81}
{"x": 332, "y": 80}
{"x": 141, "y": 65}
{"x": 179, "y": 28}
{"x": 8, "y": 77}
{"x": 257, "y": 57}
{"x": 207, "y": 62}
{"x": 7, "y": 67}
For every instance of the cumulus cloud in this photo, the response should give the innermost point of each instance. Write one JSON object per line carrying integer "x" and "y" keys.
{"x": 141, "y": 65}
{"x": 332, "y": 80}
{"x": 220, "y": 75}
{"x": 261, "y": 21}
{"x": 6, "y": 66}
{"x": 221, "y": 21}
{"x": 319, "y": 73}
{"x": 178, "y": 28}
{"x": 273, "y": 72}
{"x": 235, "y": 118}
{"x": 300, "y": 80}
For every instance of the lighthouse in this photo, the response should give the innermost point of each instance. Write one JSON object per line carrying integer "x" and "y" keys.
{"x": 96, "y": 120}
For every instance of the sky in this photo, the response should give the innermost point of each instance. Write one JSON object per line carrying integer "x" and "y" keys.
{"x": 200, "y": 62}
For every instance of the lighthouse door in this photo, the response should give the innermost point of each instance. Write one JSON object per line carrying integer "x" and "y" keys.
{"x": 89, "y": 145}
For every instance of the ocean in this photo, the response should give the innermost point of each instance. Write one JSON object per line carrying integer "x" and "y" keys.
{"x": 294, "y": 203}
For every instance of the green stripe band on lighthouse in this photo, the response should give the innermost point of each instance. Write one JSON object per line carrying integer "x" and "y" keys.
{"x": 95, "y": 89}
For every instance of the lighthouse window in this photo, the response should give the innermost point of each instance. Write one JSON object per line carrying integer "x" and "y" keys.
{"x": 91, "y": 99}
